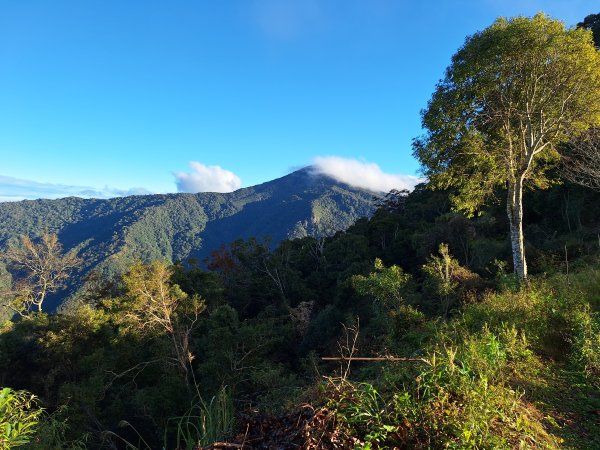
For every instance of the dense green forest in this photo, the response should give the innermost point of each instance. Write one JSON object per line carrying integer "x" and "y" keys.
{"x": 526, "y": 357}
{"x": 461, "y": 351}
{"x": 111, "y": 234}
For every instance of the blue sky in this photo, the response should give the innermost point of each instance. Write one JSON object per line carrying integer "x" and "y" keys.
{"x": 102, "y": 97}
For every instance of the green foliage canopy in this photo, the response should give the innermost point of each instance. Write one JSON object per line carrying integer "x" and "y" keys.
{"x": 592, "y": 22}
{"x": 511, "y": 94}
{"x": 384, "y": 285}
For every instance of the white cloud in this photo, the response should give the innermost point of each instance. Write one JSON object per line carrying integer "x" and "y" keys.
{"x": 363, "y": 174}
{"x": 207, "y": 179}
{"x": 14, "y": 189}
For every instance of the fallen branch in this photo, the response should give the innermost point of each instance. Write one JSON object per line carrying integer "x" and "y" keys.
{"x": 218, "y": 445}
{"x": 378, "y": 358}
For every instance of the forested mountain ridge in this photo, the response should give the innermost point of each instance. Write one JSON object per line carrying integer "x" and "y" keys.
{"x": 111, "y": 234}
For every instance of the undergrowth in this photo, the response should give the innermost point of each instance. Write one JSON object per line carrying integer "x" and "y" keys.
{"x": 518, "y": 369}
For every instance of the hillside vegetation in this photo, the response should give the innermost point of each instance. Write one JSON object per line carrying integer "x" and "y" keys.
{"x": 491, "y": 365}
{"x": 109, "y": 235}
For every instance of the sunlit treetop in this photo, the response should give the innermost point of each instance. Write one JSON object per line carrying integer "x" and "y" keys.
{"x": 511, "y": 94}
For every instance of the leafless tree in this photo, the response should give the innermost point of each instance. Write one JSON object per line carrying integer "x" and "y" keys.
{"x": 45, "y": 269}
{"x": 581, "y": 160}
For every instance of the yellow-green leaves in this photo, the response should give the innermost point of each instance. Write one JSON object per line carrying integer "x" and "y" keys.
{"x": 153, "y": 302}
{"x": 154, "y": 305}
{"x": 19, "y": 415}
{"x": 385, "y": 285}
{"x": 512, "y": 93}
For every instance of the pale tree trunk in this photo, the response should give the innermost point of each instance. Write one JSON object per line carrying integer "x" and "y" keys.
{"x": 514, "y": 208}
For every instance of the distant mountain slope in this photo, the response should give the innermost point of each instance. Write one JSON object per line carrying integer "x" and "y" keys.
{"x": 111, "y": 233}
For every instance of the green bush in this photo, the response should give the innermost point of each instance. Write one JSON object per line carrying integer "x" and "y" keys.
{"x": 458, "y": 401}
{"x": 586, "y": 345}
{"x": 19, "y": 416}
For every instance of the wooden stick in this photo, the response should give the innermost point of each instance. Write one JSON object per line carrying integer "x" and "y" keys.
{"x": 361, "y": 358}
{"x": 217, "y": 445}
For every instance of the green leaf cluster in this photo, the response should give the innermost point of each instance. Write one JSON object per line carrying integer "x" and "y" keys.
{"x": 19, "y": 416}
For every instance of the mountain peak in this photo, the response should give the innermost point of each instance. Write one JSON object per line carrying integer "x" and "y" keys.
{"x": 111, "y": 233}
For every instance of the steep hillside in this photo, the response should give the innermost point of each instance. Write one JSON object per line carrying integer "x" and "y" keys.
{"x": 111, "y": 233}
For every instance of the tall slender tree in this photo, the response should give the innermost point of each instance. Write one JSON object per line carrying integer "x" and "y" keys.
{"x": 511, "y": 95}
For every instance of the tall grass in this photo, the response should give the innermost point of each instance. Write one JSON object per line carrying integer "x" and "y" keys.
{"x": 204, "y": 423}
{"x": 52, "y": 433}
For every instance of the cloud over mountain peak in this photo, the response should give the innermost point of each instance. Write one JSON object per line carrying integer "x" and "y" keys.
{"x": 362, "y": 174}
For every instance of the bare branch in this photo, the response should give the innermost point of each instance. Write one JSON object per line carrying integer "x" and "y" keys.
{"x": 45, "y": 269}
{"x": 581, "y": 160}
{"x": 157, "y": 306}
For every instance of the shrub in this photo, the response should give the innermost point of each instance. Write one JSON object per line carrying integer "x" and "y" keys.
{"x": 586, "y": 348}
{"x": 19, "y": 414}
{"x": 460, "y": 399}
{"x": 447, "y": 281}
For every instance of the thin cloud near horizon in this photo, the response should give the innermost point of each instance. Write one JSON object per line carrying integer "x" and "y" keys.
{"x": 16, "y": 189}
